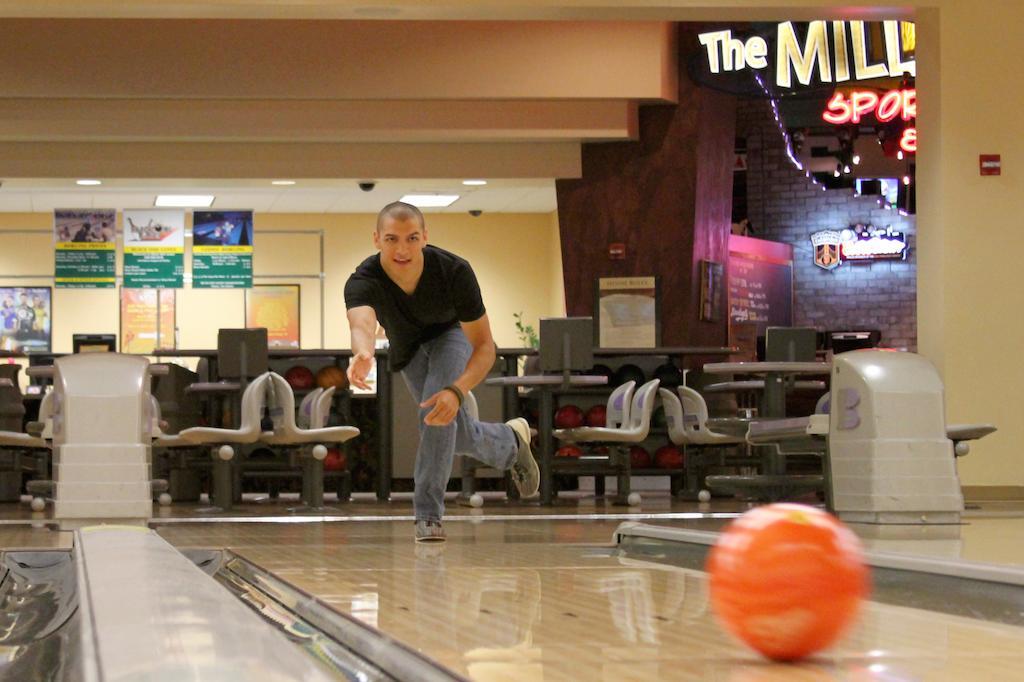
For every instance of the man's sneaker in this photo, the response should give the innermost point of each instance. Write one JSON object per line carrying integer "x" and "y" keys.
{"x": 525, "y": 472}
{"x": 428, "y": 530}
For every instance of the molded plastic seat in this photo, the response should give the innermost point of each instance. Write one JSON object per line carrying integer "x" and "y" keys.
{"x": 12, "y": 406}
{"x": 16, "y": 439}
{"x": 285, "y": 430}
{"x": 305, "y": 415}
{"x": 37, "y": 438}
{"x": 637, "y": 420}
{"x": 253, "y": 400}
{"x": 617, "y": 411}
{"x": 322, "y": 408}
{"x": 687, "y": 417}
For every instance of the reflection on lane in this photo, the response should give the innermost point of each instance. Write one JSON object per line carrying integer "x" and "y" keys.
{"x": 39, "y": 632}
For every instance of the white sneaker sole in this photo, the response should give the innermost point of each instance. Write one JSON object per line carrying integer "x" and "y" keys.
{"x": 533, "y": 467}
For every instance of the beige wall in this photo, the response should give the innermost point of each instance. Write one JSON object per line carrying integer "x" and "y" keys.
{"x": 515, "y": 256}
{"x": 557, "y": 285}
{"x": 970, "y": 293}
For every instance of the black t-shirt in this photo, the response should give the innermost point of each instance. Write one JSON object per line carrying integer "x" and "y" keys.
{"x": 446, "y": 295}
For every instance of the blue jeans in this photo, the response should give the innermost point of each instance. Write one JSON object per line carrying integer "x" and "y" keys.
{"x": 436, "y": 364}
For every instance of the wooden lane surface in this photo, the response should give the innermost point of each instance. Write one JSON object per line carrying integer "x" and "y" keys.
{"x": 27, "y": 537}
{"x": 551, "y": 600}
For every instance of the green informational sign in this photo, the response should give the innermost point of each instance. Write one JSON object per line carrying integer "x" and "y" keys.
{"x": 86, "y": 251}
{"x": 152, "y": 269}
{"x": 222, "y": 249}
{"x": 154, "y": 249}
{"x": 221, "y": 267}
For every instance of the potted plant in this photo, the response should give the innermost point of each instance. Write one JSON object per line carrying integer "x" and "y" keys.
{"x": 529, "y": 339}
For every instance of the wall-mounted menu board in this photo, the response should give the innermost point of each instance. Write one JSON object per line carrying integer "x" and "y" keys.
{"x": 760, "y": 284}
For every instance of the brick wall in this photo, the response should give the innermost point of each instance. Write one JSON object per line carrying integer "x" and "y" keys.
{"x": 783, "y": 205}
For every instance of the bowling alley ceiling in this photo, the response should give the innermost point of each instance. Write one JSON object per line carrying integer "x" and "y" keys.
{"x": 236, "y": 93}
{"x": 35, "y": 195}
{"x": 324, "y": 103}
{"x": 674, "y": 10}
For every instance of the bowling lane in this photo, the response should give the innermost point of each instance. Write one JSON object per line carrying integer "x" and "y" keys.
{"x": 40, "y": 536}
{"x": 553, "y": 600}
{"x": 980, "y": 538}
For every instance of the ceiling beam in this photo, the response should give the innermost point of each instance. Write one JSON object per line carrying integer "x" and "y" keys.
{"x": 153, "y": 120}
{"x": 344, "y": 60}
{"x": 281, "y": 160}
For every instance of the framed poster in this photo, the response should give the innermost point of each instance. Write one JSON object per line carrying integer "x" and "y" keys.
{"x": 25, "y": 319}
{"x": 147, "y": 320}
{"x": 710, "y": 290}
{"x": 276, "y": 307}
{"x": 85, "y": 252}
{"x": 760, "y": 283}
{"x": 154, "y": 249}
{"x": 627, "y": 312}
{"x": 222, "y": 243}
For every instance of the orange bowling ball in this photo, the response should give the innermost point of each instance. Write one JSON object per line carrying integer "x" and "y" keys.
{"x": 787, "y": 579}
{"x": 329, "y": 376}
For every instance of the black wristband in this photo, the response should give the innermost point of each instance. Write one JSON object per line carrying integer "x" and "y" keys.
{"x": 458, "y": 394}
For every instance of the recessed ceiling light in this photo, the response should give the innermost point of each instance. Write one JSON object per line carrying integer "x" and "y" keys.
{"x": 185, "y": 200}
{"x": 474, "y": 182}
{"x": 430, "y": 200}
{"x": 88, "y": 182}
{"x": 282, "y": 182}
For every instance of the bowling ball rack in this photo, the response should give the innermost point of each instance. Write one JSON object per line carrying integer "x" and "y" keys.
{"x": 601, "y": 465}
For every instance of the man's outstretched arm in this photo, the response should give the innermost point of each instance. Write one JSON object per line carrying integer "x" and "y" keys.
{"x": 362, "y": 321}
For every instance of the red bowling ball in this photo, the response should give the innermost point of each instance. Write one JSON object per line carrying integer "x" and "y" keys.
{"x": 597, "y": 416}
{"x": 568, "y": 417}
{"x": 569, "y": 451}
{"x": 639, "y": 458}
{"x": 668, "y": 457}
{"x": 335, "y": 460}
{"x": 300, "y": 378}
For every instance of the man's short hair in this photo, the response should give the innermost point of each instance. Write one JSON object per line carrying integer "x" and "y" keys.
{"x": 399, "y": 210}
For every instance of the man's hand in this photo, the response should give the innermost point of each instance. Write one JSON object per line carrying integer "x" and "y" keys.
{"x": 446, "y": 406}
{"x": 358, "y": 367}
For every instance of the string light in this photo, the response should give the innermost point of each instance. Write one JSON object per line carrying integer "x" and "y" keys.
{"x": 782, "y": 129}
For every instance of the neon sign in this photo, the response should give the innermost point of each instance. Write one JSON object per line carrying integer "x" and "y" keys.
{"x": 852, "y": 108}
{"x": 826, "y": 50}
{"x": 846, "y": 108}
{"x": 862, "y": 243}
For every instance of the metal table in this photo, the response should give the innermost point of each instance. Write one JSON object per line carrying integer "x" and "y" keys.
{"x": 773, "y": 482}
{"x": 757, "y": 385}
{"x": 547, "y": 385}
{"x": 773, "y": 404}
